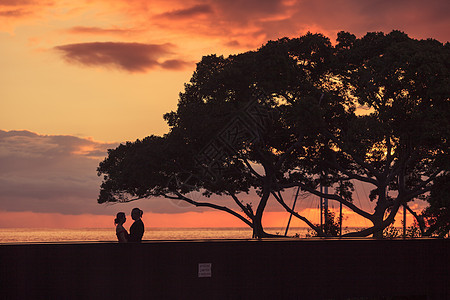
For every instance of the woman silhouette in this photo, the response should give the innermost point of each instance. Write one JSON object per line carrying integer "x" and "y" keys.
{"x": 121, "y": 232}
{"x": 137, "y": 229}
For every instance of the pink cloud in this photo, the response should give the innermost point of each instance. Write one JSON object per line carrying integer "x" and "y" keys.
{"x": 247, "y": 11}
{"x": 132, "y": 57}
{"x": 236, "y": 20}
{"x": 415, "y": 17}
{"x": 251, "y": 23}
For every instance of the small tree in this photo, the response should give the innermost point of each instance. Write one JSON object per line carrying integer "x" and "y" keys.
{"x": 330, "y": 227}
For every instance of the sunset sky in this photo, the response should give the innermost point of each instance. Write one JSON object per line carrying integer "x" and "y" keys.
{"x": 79, "y": 77}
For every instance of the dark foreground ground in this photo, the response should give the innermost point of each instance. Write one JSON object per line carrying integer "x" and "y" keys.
{"x": 228, "y": 269}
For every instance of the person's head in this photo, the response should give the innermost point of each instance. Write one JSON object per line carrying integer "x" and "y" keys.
{"x": 120, "y": 218}
{"x": 136, "y": 213}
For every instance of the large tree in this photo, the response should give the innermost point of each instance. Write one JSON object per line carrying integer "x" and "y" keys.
{"x": 300, "y": 113}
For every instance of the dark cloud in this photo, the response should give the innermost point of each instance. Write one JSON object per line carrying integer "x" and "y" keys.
{"x": 132, "y": 57}
{"x": 233, "y": 44}
{"x": 196, "y": 10}
{"x": 176, "y": 64}
{"x": 49, "y": 173}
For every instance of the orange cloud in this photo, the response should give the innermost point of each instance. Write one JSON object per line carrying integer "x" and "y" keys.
{"x": 16, "y": 2}
{"x": 13, "y": 12}
{"x": 132, "y": 57}
{"x": 91, "y": 30}
{"x": 21, "y": 8}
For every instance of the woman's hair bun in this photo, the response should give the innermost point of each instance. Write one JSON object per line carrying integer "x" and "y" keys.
{"x": 119, "y": 216}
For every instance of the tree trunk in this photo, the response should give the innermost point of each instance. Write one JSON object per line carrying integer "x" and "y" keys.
{"x": 380, "y": 209}
{"x": 258, "y": 230}
{"x": 377, "y": 222}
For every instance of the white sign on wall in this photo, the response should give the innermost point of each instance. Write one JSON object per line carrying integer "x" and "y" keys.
{"x": 204, "y": 270}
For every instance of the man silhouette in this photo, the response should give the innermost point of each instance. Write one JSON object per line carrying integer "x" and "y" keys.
{"x": 137, "y": 229}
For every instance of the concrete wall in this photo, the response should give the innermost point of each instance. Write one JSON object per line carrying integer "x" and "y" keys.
{"x": 266, "y": 269}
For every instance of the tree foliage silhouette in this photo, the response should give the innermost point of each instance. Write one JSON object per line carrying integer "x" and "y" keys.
{"x": 301, "y": 113}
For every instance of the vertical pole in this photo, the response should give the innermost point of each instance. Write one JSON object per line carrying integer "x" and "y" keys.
{"x": 340, "y": 219}
{"x": 321, "y": 209}
{"x": 290, "y": 216}
{"x": 404, "y": 220}
{"x": 325, "y": 205}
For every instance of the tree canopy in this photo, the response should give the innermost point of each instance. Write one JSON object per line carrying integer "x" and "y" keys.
{"x": 303, "y": 113}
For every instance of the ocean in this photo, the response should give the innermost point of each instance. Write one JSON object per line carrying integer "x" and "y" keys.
{"x": 47, "y": 235}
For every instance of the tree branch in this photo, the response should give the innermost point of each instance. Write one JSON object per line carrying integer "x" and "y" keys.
{"x": 376, "y": 228}
{"x": 246, "y": 210}
{"x": 252, "y": 170}
{"x": 418, "y": 219}
{"x": 207, "y": 204}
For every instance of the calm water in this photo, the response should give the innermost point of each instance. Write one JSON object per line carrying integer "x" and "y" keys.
{"x": 21, "y": 235}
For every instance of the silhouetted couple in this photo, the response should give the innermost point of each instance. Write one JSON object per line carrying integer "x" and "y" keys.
{"x": 136, "y": 229}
